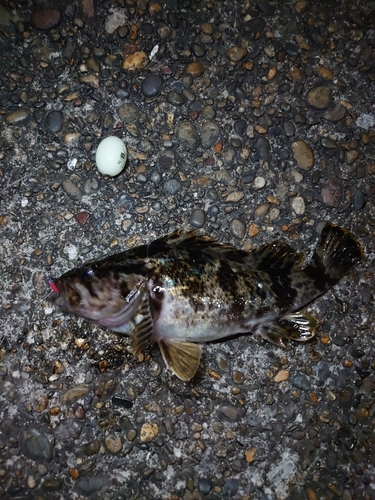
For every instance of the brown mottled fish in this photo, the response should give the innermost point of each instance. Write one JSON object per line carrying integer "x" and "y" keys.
{"x": 184, "y": 288}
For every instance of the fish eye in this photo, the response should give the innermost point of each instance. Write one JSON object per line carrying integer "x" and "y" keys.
{"x": 87, "y": 272}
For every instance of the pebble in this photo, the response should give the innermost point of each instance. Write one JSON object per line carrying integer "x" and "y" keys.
{"x": 71, "y": 189}
{"x": 89, "y": 486}
{"x": 298, "y": 205}
{"x": 359, "y": 200}
{"x": 237, "y": 228}
{"x": 230, "y": 413}
{"x": 236, "y": 54}
{"x": 303, "y": 155}
{"x": 172, "y": 186}
{"x": 195, "y": 69}
{"x": 73, "y": 394}
{"x": 113, "y": 444}
{"x": 54, "y": 122}
{"x": 35, "y": 444}
{"x": 134, "y": 62}
{"x": 152, "y": 85}
{"x": 331, "y": 194}
{"x": 335, "y": 114}
{"x": 149, "y": 431}
{"x": 259, "y": 182}
{"x": 197, "y": 218}
{"x": 45, "y": 18}
{"x": 71, "y": 138}
{"x": 175, "y": 98}
{"x": 281, "y": 376}
{"x": 319, "y": 97}
{"x": 17, "y": 117}
{"x": 188, "y": 135}
{"x": 210, "y": 134}
{"x": 128, "y": 112}
{"x": 91, "y": 448}
{"x": 262, "y": 147}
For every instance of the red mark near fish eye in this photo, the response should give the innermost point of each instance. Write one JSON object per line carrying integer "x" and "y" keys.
{"x": 53, "y": 287}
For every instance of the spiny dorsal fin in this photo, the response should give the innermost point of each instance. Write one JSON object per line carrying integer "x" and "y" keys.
{"x": 204, "y": 243}
{"x": 276, "y": 254}
{"x": 142, "y": 333}
{"x": 183, "y": 358}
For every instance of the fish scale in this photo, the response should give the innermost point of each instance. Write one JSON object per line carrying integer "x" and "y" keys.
{"x": 184, "y": 289}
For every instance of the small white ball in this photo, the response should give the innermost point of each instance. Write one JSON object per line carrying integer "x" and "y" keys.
{"x": 111, "y": 156}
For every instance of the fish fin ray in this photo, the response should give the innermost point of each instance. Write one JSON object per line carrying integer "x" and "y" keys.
{"x": 202, "y": 242}
{"x": 337, "y": 252}
{"x": 299, "y": 327}
{"x": 276, "y": 254}
{"x": 183, "y": 358}
{"x": 142, "y": 333}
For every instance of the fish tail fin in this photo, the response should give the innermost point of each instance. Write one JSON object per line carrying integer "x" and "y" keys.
{"x": 336, "y": 254}
{"x": 300, "y": 326}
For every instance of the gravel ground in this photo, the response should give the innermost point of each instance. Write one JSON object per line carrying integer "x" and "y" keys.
{"x": 250, "y": 121}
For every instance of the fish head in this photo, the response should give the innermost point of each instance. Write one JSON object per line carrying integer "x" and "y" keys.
{"x": 106, "y": 296}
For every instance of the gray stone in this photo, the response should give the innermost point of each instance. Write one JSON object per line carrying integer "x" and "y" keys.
{"x": 187, "y": 135}
{"x": 35, "y": 444}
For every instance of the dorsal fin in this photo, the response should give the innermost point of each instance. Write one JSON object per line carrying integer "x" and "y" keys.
{"x": 204, "y": 243}
{"x": 276, "y": 254}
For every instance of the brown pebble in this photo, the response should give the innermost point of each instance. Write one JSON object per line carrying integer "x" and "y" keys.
{"x": 236, "y": 53}
{"x": 214, "y": 374}
{"x": 45, "y": 19}
{"x": 207, "y": 28}
{"x": 311, "y": 495}
{"x": 194, "y": 69}
{"x": 253, "y": 230}
{"x": 133, "y": 62}
{"x": 296, "y": 74}
{"x": 325, "y": 73}
{"x": 281, "y": 376}
{"x": 272, "y": 73}
{"x": 250, "y": 455}
{"x": 319, "y": 97}
{"x": 303, "y": 155}
{"x": 16, "y": 116}
{"x": 113, "y": 444}
{"x": 82, "y": 218}
{"x": 149, "y": 431}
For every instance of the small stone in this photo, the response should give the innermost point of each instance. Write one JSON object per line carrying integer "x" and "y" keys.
{"x": 359, "y": 200}
{"x": 197, "y": 218}
{"x": 149, "y": 431}
{"x": 188, "y": 135}
{"x": 262, "y": 147}
{"x": 335, "y": 114}
{"x": 352, "y": 156}
{"x": 92, "y": 448}
{"x": 237, "y": 228}
{"x": 234, "y": 197}
{"x": 82, "y": 218}
{"x": 175, "y": 98}
{"x": 136, "y": 61}
{"x": 319, "y": 97}
{"x": 261, "y": 210}
{"x": 235, "y": 54}
{"x": 281, "y": 376}
{"x": 72, "y": 189}
{"x": 331, "y": 194}
{"x": 89, "y": 486}
{"x": 172, "y": 186}
{"x": 259, "y": 182}
{"x": 253, "y": 230}
{"x": 298, "y": 205}
{"x": 195, "y": 69}
{"x": 250, "y": 455}
{"x": 230, "y": 413}
{"x": 210, "y": 134}
{"x": 113, "y": 444}
{"x": 17, "y": 116}
{"x": 325, "y": 73}
{"x": 152, "y": 85}
{"x": 204, "y": 485}
{"x": 272, "y": 73}
{"x": 128, "y": 112}
{"x": 54, "y": 122}
{"x": 71, "y": 138}
{"x": 35, "y": 444}
{"x": 73, "y": 394}
{"x": 303, "y": 155}
{"x": 45, "y": 18}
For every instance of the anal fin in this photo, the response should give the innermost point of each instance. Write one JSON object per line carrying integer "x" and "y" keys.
{"x": 299, "y": 326}
{"x": 183, "y": 358}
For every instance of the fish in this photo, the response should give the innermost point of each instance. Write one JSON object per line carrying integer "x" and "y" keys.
{"x": 185, "y": 289}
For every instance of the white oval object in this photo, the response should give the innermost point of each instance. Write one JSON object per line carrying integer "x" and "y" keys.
{"x": 111, "y": 156}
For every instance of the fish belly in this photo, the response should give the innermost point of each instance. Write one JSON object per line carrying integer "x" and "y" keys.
{"x": 200, "y": 321}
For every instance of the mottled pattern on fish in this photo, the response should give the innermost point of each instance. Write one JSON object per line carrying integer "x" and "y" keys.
{"x": 183, "y": 289}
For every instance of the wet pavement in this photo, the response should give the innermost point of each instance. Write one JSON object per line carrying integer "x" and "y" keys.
{"x": 248, "y": 121}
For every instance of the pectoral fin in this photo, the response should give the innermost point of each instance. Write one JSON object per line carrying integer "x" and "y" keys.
{"x": 183, "y": 358}
{"x": 142, "y": 333}
{"x": 298, "y": 326}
